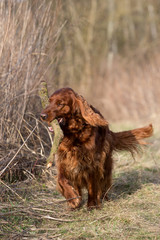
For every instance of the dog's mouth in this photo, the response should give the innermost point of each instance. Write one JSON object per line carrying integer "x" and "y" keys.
{"x": 50, "y": 129}
{"x": 60, "y": 121}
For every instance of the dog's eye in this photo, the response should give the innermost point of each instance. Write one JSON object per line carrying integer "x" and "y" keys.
{"x": 60, "y": 104}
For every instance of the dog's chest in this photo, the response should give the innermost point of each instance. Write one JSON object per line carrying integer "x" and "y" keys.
{"x": 76, "y": 159}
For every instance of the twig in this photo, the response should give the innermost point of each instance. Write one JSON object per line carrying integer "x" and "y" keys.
{"x": 37, "y": 120}
{"x": 17, "y": 152}
{"x": 66, "y": 200}
{"x": 31, "y": 212}
{"x": 43, "y": 210}
{"x": 57, "y": 219}
{"x": 9, "y": 213}
{"x": 107, "y": 192}
{"x": 25, "y": 142}
{"x": 98, "y": 219}
{"x": 12, "y": 191}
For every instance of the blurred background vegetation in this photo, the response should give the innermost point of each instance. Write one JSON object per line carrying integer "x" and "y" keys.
{"x": 108, "y": 51}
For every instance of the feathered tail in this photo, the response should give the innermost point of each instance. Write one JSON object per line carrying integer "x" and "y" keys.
{"x": 130, "y": 140}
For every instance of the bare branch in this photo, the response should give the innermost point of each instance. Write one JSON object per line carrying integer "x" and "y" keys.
{"x": 58, "y": 134}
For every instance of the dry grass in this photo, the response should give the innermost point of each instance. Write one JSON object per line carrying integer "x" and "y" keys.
{"x": 67, "y": 43}
{"x": 33, "y": 209}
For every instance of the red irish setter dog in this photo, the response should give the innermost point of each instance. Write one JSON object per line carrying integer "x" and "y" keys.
{"x": 85, "y": 153}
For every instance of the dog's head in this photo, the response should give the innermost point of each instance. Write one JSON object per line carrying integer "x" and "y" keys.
{"x": 65, "y": 103}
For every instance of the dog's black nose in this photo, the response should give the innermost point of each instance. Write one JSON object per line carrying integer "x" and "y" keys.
{"x": 44, "y": 116}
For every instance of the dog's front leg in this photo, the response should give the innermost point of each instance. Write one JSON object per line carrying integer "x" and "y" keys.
{"x": 72, "y": 195}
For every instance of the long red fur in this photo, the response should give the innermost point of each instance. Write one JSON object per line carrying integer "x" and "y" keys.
{"x": 85, "y": 153}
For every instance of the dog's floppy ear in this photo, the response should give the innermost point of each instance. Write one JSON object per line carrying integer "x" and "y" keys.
{"x": 89, "y": 113}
